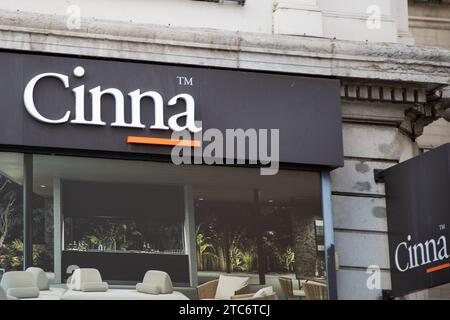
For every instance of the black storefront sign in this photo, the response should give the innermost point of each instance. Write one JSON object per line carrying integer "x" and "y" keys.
{"x": 85, "y": 106}
{"x": 54, "y": 102}
{"x": 418, "y": 211}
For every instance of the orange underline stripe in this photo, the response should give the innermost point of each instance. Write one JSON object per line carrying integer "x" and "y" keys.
{"x": 164, "y": 142}
{"x": 442, "y": 266}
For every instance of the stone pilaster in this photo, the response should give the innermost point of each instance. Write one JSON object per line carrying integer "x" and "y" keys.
{"x": 297, "y": 17}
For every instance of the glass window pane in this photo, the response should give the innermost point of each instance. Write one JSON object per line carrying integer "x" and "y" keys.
{"x": 261, "y": 227}
{"x": 11, "y": 214}
{"x": 42, "y": 226}
{"x": 121, "y": 217}
{"x": 266, "y": 228}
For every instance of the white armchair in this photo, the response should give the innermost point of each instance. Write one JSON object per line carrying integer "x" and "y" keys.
{"x": 40, "y": 278}
{"x": 223, "y": 288}
{"x": 155, "y": 282}
{"x": 87, "y": 280}
{"x": 19, "y": 284}
{"x": 3, "y": 294}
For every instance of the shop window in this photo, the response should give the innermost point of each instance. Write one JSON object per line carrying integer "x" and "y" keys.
{"x": 262, "y": 228}
{"x": 42, "y": 221}
{"x": 11, "y": 211}
{"x": 121, "y": 217}
{"x": 225, "y": 238}
{"x": 42, "y": 229}
{"x": 124, "y": 217}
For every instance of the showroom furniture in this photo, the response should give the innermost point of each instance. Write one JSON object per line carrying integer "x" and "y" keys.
{"x": 121, "y": 294}
{"x": 31, "y": 284}
{"x": 4, "y": 296}
{"x": 19, "y": 284}
{"x": 43, "y": 284}
{"x": 23, "y": 285}
{"x": 128, "y": 266}
{"x": 155, "y": 282}
{"x": 251, "y": 296}
{"x": 156, "y": 285}
{"x": 315, "y": 290}
{"x": 40, "y": 278}
{"x": 288, "y": 289}
{"x": 223, "y": 288}
{"x": 265, "y": 293}
{"x": 87, "y": 280}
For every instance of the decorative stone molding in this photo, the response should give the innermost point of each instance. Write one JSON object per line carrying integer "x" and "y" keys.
{"x": 419, "y": 107}
{"x": 428, "y": 67}
{"x": 417, "y": 118}
{"x": 384, "y": 93}
{"x": 441, "y": 100}
{"x": 429, "y": 22}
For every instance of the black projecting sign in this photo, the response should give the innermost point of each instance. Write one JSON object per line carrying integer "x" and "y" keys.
{"x": 418, "y": 211}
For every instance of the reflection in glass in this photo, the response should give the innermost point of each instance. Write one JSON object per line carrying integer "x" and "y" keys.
{"x": 43, "y": 232}
{"x": 292, "y": 240}
{"x": 272, "y": 234}
{"x": 116, "y": 234}
{"x": 263, "y": 227}
{"x": 11, "y": 211}
{"x": 42, "y": 226}
{"x": 225, "y": 242}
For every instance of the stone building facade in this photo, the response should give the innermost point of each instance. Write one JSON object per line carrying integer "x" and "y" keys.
{"x": 429, "y": 22}
{"x": 391, "y": 89}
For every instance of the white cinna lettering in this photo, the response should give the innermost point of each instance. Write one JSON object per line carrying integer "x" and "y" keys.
{"x": 96, "y": 95}
{"x": 29, "y": 101}
{"x": 420, "y": 254}
{"x": 189, "y": 114}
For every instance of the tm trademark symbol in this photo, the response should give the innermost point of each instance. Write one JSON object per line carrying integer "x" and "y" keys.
{"x": 185, "y": 81}
{"x": 442, "y": 227}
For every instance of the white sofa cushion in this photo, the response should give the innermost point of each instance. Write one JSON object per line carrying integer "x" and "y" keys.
{"x": 121, "y": 294}
{"x": 87, "y": 275}
{"x": 54, "y": 293}
{"x": 3, "y": 294}
{"x": 24, "y": 292}
{"x": 148, "y": 288}
{"x": 94, "y": 286}
{"x": 70, "y": 282}
{"x": 19, "y": 280}
{"x": 40, "y": 278}
{"x": 228, "y": 285}
{"x": 263, "y": 292}
{"x": 159, "y": 279}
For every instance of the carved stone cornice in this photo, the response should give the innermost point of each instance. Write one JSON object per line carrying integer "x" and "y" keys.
{"x": 419, "y": 108}
{"x": 428, "y": 67}
{"x": 441, "y": 99}
{"x": 400, "y": 93}
{"x": 417, "y": 118}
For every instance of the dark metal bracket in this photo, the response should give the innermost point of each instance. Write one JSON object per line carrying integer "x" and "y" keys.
{"x": 378, "y": 175}
{"x": 386, "y": 295}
